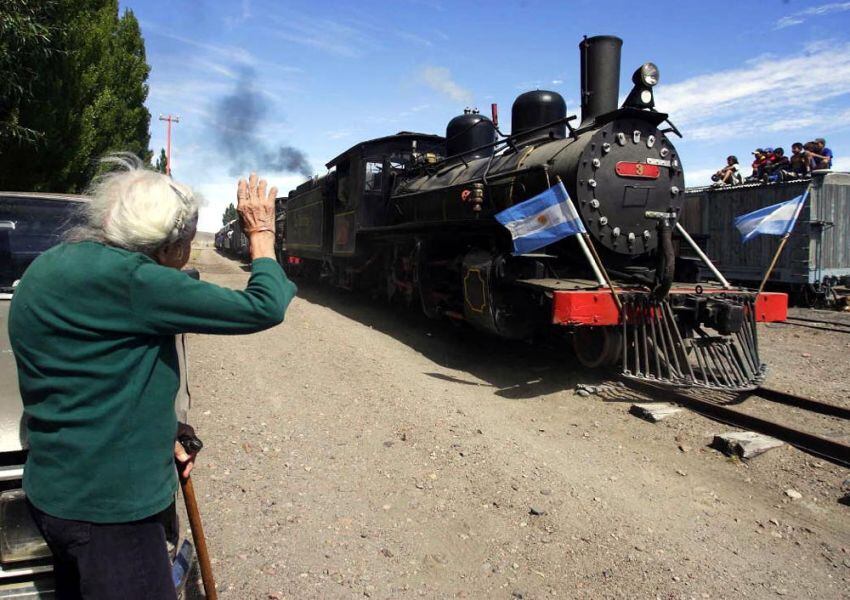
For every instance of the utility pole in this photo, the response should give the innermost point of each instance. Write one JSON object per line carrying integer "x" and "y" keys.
{"x": 168, "y": 119}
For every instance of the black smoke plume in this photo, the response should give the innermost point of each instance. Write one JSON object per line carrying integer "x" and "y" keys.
{"x": 239, "y": 118}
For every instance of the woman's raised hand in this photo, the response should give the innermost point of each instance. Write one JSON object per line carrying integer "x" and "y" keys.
{"x": 256, "y": 210}
{"x": 255, "y": 207}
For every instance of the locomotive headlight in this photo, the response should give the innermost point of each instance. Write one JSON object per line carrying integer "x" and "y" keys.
{"x": 647, "y": 75}
{"x": 645, "y": 78}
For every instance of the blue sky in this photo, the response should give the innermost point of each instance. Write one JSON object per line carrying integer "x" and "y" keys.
{"x": 322, "y": 76}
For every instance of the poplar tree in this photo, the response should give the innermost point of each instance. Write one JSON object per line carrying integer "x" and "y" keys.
{"x": 86, "y": 100}
{"x": 161, "y": 162}
{"x": 229, "y": 214}
{"x": 27, "y": 42}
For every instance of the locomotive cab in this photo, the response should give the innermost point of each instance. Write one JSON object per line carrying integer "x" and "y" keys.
{"x": 365, "y": 177}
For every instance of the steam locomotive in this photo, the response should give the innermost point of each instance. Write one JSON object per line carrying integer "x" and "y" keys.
{"x": 411, "y": 215}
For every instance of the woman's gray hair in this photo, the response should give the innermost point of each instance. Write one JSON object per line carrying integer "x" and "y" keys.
{"x": 136, "y": 208}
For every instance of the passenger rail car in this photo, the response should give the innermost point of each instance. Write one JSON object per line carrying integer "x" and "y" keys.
{"x": 411, "y": 215}
{"x": 231, "y": 240}
{"x": 817, "y": 255}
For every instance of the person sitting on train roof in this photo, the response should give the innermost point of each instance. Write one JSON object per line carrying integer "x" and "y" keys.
{"x": 774, "y": 169}
{"x": 809, "y": 149}
{"x": 758, "y": 164}
{"x": 799, "y": 161}
{"x": 731, "y": 174}
{"x": 821, "y": 155}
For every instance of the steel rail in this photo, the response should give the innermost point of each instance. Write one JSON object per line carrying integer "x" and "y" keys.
{"x": 809, "y": 404}
{"x": 788, "y": 321}
{"x": 820, "y": 322}
{"x": 824, "y": 447}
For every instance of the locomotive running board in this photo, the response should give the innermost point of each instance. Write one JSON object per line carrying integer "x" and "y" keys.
{"x": 655, "y": 351}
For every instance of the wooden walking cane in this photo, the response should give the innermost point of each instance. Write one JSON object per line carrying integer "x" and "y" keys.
{"x": 192, "y": 445}
{"x": 782, "y": 243}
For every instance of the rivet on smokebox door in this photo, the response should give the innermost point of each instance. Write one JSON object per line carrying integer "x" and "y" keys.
{"x": 650, "y": 141}
{"x": 616, "y": 232}
{"x": 596, "y": 162}
{"x": 674, "y": 191}
{"x": 636, "y": 136}
{"x": 621, "y": 138}
{"x": 591, "y": 183}
{"x": 606, "y": 148}
{"x": 603, "y": 221}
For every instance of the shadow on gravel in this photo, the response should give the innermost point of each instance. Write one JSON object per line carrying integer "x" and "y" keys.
{"x": 517, "y": 370}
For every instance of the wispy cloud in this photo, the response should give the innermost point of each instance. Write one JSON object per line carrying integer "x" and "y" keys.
{"x": 332, "y": 37}
{"x": 435, "y": 5}
{"x": 233, "y": 54}
{"x": 440, "y": 80}
{"x": 815, "y": 11}
{"x": 219, "y": 59}
{"x": 769, "y": 94}
{"x": 245, "y": 13}
{"x": 338, "y": 134}
{"x": 345, "y": 35}
{"x": 412, "y": 37}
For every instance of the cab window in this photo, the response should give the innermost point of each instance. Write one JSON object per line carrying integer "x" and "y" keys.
{"x": 374, "y": 175}
{"x": 343, "y": 193}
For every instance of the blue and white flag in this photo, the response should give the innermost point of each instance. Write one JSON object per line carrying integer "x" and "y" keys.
{"x": 548, "y": 217}
{"x": 776, "y": 219}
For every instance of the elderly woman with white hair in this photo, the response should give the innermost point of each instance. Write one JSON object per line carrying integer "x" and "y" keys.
{"x": 92, "y": 326}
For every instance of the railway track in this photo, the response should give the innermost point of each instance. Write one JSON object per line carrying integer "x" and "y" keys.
{"x": 828, "y": 448}
{"x": 819, "y": 324}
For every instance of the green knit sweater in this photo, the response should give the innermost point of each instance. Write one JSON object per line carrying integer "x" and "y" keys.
{"x": 92, "y": 328}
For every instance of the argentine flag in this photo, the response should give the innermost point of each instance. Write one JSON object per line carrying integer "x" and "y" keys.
{"x": 548, "y": 217}
{"x": 776, "y": 219}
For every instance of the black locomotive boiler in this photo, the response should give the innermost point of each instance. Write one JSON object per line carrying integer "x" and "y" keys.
{"x": 412, "y": 215}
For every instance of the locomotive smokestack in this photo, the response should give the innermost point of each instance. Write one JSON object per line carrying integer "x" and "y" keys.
{"x": 600, "y": 76}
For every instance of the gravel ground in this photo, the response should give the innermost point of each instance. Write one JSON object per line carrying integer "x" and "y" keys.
{"x": 361, "y": 450}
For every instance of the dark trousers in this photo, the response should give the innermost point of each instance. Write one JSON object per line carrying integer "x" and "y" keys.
{"x": 122, "y": 561}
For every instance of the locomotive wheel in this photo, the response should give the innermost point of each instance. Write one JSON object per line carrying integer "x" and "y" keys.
{"x": 597, "y": 346}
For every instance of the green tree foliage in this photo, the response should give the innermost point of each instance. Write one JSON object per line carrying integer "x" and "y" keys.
{"x": 87, "y": 99}
{"x": 229, "y": 214}
{"x": 162, "y": 162}
{"x": 27, "y": 42}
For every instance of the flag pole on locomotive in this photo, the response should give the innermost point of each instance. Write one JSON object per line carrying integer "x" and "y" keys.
{"x": 776, "y": 219}
{"x": 546, "y": 218}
